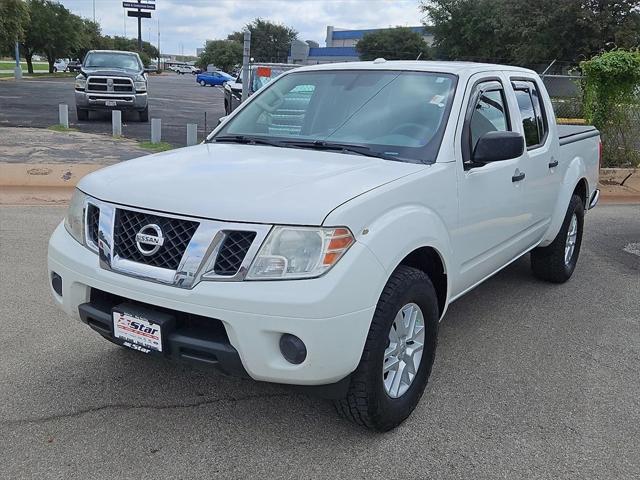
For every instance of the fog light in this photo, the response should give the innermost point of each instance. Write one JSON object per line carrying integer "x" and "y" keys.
{"x": 56, "y": 283}
{"x": 293, "y": 349}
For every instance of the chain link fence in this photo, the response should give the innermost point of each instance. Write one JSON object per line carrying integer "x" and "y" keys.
{"x": 620, "y": 138}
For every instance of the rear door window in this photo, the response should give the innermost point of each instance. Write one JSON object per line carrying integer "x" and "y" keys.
{"x": 534, "y": 122}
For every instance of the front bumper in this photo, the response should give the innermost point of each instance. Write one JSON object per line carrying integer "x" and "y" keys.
{"x": 330, "y": 314}
{"x": 98, "y": 100}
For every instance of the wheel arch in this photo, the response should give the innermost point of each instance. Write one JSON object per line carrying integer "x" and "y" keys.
{"x": 581, "y": 189}
{"x": 429, "y": 260}
{"x": 575, "y": 181}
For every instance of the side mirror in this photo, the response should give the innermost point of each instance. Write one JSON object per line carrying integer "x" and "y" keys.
{"x": 497, "y": 146}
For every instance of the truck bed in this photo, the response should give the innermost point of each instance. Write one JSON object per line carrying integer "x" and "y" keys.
{"x": 573, "y": 133}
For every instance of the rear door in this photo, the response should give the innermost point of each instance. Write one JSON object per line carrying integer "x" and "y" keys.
{"x": 491, "y": 199}
{"x": 542, "y": 162}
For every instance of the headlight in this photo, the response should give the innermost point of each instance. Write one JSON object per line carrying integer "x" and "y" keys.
{"x": 299, "y": 252}
{"x": 81, "y": 82}
{"x": 74, "y": 221}
{"x": 140, "y": 83}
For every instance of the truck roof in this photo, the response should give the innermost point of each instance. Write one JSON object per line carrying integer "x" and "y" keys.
{"x": 457, "y": 68}
{"x": 112, "y": 51}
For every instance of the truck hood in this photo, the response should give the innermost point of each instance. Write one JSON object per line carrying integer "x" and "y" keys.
{"x": 244, "y": 183}
{"x": 109, "y": 72}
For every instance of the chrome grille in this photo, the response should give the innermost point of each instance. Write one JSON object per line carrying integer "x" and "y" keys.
{"x": 110, "y": 84}
{"x": 177, "y": 234}
{"x": 93, "y": 221}
{"x": 232, "y": 252}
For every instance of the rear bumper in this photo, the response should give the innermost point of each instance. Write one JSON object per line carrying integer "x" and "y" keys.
{"x": 98, "y": 101}
{"x": 594, "y": 199}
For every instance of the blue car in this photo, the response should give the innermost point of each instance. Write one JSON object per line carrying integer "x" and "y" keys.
{"x": 212, "y": 78}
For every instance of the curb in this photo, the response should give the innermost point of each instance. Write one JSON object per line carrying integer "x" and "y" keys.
{"x": 43, "y": 174}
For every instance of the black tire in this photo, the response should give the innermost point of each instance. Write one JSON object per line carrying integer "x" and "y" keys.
{"x": 548, "y": 263}
{"x": 144, "y": 115}
{"x": 82, "y": 114}
{"x": 367, "y": 402}
{"x": 55, "y": 70}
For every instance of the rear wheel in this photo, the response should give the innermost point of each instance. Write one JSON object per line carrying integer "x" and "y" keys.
{"x": 398, "y": 354}
{"x": 82, "y": 114}
{"x": 55, "y": 70}
{"x": 557, "y": 261}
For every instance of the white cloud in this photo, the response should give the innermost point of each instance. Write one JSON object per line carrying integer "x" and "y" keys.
{"x": 186, "y": 24}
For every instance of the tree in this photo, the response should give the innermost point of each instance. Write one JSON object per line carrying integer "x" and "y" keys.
{"x": 470, "y": 29}
{"x": 14, "y": 19}
{"x": 131, "y": 45}
{"x": 224, "y": 54}
{"x": 52, "y": 30}
{"x": 91, "y": 38}
{"x": 528, "y": 32}
{"x": 270, "y": 42}
{"x": 400, "y": 43}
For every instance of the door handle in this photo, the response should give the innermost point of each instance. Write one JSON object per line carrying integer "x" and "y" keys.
{"x": 518, "y": 177}
{"x": 553, "y": 164}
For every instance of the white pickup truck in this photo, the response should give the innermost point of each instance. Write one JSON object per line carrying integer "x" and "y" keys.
{"x": 318, "y": 235}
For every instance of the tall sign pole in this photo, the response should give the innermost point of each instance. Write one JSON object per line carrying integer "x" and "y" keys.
{"x": 246, "y": 52}
{"x": 138, "y": 13}
{"x": 139, "y": 29}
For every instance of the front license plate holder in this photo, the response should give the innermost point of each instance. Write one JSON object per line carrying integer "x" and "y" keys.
{"x": 141, "y": 328}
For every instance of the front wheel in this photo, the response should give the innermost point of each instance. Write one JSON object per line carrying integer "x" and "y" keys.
{"x": 55, "y": 70}
{"x": 557, "y": 261}
{"x": 203, "y": 83}
{"x": 144, "y": 115}
{"x": 82, "y": 114}
{"x": 398, "y": 354}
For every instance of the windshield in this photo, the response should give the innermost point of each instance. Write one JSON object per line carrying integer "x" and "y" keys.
{"x": 400, "y": 115}
{"x": 122, "y": 61}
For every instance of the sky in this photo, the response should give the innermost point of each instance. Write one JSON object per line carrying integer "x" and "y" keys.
{"x": 186, "y": 24}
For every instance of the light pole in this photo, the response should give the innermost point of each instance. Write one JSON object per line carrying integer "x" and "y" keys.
{"x": 18, "y": 70}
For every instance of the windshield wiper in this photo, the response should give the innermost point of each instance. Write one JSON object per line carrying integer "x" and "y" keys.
{"x": 342, "y": 147}
{"x": 247, "y": 140}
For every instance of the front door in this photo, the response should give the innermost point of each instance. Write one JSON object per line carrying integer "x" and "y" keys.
{"x": 490, "y": 197}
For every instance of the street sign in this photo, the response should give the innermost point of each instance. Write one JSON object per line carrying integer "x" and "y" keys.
{"x": 143, "y": 6}
{"x": 138, "y": 14}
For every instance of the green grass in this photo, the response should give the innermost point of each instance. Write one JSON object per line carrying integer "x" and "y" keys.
{"x": 61, "y": 128}
{"x": 36, "y": 66}
{"x": 40, "y": 75}
{"x": 156, "y": 147}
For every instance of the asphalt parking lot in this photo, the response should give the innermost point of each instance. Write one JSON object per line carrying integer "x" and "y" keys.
{"x": 175, "y": 99}
{"x": 531, "y": 381}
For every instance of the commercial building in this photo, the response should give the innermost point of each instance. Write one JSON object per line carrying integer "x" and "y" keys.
{"x": 340, "y": 46}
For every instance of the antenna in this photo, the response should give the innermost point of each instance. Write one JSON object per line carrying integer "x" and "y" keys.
{"x": 419, "y": 55}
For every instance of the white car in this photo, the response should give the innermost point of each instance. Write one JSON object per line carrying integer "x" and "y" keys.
{"x": 319, "y": 235}
{"x": 182, "y": 69}
{"x": 60, "y": 66}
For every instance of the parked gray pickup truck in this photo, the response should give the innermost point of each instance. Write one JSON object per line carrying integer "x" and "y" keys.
{"x": 111, "y": 80}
